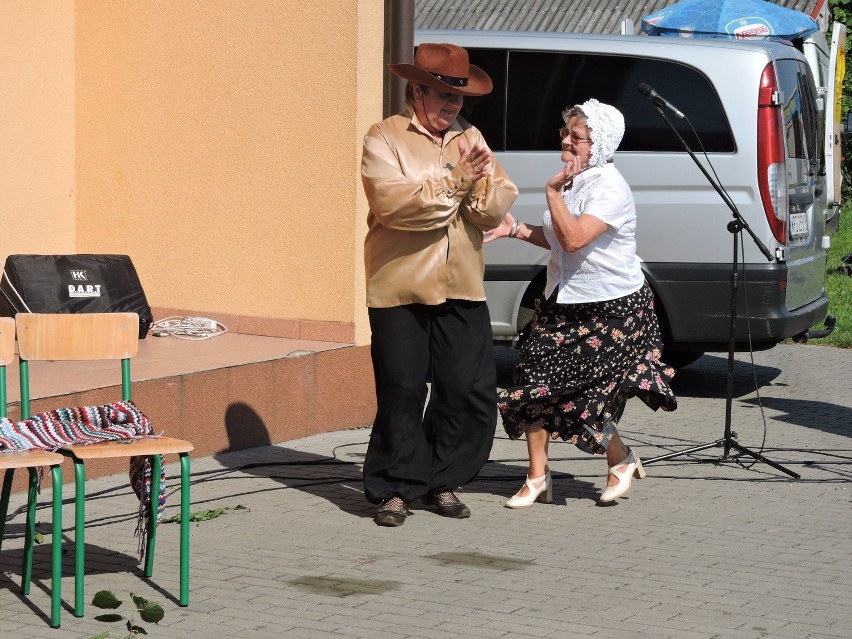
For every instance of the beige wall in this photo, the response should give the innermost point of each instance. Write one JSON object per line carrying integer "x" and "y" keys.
{"x": 216, "y": 142}
{"x": 37, "y": 188}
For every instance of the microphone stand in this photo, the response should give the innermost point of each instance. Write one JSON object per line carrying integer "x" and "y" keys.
{"x": 735, "y": 226}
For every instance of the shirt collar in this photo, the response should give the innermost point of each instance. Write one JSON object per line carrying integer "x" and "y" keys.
{"x": 452, "y": 131}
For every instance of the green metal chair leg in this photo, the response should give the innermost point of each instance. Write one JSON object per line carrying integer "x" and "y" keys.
{"x": 184, "y": 530}
{"x": 29, "y": 533}
{"x": 4, "y": 501}
{"x": 79, "y": 537}
{"x": 156, "y": 470}
{"x": 56, "y": 547}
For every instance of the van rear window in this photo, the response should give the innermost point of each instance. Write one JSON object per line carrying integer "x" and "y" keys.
{"x": 802, "y": 122}
{"x": 531, "y": 88}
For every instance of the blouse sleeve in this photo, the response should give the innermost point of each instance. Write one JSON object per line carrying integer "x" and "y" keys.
{"x": 608, "y": 203}
{"x": 406, "y": 189}
{"x": 490, "y": 200}
{"x": 401, "y": 187}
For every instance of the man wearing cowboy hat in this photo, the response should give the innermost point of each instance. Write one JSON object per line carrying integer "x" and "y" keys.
{"x": 433, "y": 187}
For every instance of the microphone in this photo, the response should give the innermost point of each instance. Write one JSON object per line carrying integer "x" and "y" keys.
{"x": 646, "y": 90}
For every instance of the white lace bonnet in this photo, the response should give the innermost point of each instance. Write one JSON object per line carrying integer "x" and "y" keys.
{"x": 606, "y": 128}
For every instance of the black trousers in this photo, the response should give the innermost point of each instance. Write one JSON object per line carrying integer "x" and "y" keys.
{"x": 412, "y": 452}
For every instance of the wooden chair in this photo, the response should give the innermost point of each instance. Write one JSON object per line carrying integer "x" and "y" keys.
{"x": 103, "y": 336}
{"x": 31, "y": 460}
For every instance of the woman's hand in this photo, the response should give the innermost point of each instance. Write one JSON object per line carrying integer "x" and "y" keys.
{"x": 566, "y": 175}
{"x": 476, "y": 163}
{"x": 501, "y": 231}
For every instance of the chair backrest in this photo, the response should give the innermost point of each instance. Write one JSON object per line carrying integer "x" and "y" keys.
{"x": 77, "y": 336}
{"x": 7, "y": 341}
{"x": 7, "y": 355}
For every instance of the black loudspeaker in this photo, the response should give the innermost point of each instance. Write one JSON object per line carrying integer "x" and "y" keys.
{"x": 73, "y": 284}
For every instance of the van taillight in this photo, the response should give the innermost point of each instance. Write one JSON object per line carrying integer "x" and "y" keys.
{"x": 771, "y": 156}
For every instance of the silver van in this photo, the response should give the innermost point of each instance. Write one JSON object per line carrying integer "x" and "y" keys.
{"x": 753, "y": 112}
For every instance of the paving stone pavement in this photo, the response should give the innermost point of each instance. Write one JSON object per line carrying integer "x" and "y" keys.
{"x": 702, "y": 548}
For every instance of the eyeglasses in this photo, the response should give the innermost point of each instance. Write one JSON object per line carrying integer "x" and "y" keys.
{"x": 576, "y": 139}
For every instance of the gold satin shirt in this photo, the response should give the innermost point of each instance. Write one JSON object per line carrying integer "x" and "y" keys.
{"x": 424, "y": 237}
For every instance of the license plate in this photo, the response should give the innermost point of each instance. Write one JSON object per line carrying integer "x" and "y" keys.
{"x": 798, "y": 225}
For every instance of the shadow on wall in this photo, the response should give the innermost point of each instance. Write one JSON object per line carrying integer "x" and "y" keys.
{"x": 336, "y": 479}
{"x": 245, "y": 428}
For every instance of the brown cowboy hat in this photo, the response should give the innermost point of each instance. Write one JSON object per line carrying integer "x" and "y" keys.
{"x": 444, "y": 67}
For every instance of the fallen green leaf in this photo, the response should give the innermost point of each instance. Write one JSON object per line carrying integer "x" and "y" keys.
{"x": 105, "y": 599}
{"x": 152, "y": 613}
{"x": 203, "y": 515}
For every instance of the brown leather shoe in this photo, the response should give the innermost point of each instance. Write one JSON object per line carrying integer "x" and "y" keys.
{"x": 447, "y": 504}
{"x": 392, "y": 512}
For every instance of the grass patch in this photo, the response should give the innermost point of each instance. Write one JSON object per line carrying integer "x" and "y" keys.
{"x": 839, "y": 285}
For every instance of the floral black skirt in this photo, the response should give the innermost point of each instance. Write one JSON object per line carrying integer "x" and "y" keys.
{"x": 579, "y": 366}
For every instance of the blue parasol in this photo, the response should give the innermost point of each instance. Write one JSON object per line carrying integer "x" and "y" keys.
{"x": 731, "y": 19}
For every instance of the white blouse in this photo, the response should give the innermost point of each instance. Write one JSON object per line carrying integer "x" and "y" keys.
{"x": 608, "y": 267}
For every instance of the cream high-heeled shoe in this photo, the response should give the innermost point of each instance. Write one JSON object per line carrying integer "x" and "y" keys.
{"x": 543, "y": 492}
{"x": 632, "y": 468}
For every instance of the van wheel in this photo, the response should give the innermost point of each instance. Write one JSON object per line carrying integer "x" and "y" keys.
{"x": 680, "y": 359}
